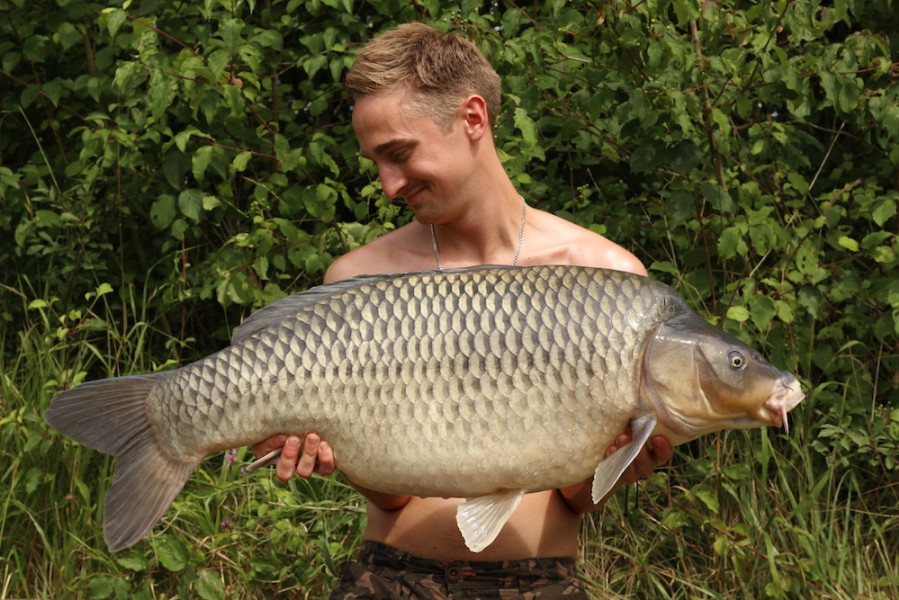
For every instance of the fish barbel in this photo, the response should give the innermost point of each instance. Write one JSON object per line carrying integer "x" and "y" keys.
{"x": 483, "y": 383}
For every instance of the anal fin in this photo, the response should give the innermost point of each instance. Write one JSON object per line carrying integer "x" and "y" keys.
{"x": 481, "y": 519}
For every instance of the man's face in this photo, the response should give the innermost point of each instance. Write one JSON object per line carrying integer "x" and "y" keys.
{"x": 416, "y": 159}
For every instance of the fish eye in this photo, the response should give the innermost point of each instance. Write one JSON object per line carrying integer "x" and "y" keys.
{"x": 736, "y": 359}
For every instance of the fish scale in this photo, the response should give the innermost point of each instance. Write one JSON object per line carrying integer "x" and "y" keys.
{"x": 484, "y": 383}
{"x": 331, "y": 379}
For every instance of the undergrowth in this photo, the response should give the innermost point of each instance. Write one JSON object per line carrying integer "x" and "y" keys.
{"x": 167, "y": 167}
{"x": 736, "y": 515}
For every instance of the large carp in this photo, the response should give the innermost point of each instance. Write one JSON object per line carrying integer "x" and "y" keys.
{"x": 484, "y": 383}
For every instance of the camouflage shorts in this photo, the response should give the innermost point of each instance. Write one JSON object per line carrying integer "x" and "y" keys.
{"x": 384, "y": 572}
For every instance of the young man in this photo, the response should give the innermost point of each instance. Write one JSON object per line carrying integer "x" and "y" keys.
{"x": 425, "y": 107}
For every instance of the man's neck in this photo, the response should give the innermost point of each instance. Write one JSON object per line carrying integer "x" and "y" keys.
{"x": 488, "y": 230}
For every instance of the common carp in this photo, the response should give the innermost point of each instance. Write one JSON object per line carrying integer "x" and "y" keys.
{"x": 483, "y": 383}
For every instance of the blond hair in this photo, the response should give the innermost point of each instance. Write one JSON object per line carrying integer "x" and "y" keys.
{"x": 439, "y": 68}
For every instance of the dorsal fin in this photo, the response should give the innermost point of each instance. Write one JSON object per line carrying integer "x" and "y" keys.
{"x": 285, "y": 308}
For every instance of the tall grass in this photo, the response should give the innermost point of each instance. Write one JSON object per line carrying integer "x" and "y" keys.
{"x": 739, "y": 515}
{"x": 751, "y": 514}
{"x": 225, "y": 536}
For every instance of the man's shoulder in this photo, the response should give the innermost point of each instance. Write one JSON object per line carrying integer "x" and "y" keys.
{"x": 391, "y": 253}
{"x": 569, "y": 243}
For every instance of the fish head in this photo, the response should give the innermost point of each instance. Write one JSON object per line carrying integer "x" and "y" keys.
{"x": 698, "y": 379}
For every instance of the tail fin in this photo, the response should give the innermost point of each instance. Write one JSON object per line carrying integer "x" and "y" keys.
{"x": 111, "y": 415}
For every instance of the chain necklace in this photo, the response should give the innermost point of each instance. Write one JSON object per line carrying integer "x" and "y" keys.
{"x": 524, "y": 210}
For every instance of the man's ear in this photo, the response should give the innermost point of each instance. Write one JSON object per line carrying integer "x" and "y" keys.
{"x": 475, "y": 117}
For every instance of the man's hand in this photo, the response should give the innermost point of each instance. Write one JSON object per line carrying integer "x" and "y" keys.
{"x": 655, "y": 454}
{"x": 299, "y": 456}
{"x": 304, "y": 457}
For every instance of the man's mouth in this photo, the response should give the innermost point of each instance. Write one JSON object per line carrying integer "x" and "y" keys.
{"x": 412, "y": 196}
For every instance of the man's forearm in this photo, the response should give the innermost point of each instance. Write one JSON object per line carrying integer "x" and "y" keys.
{"x": 381, "y": 500}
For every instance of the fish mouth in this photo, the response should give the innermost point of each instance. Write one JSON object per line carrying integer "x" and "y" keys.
{"x": 785, "y": 397}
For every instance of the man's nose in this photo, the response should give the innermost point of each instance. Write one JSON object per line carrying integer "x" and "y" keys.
{"x": 392, "y": 180}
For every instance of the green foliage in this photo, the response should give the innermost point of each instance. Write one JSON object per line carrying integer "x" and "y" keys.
{"x": 165, "y": 168}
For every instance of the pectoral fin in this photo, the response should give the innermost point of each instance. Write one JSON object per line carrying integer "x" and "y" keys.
{"x": 609, "y": 470}
{"x": 481, "y": 519}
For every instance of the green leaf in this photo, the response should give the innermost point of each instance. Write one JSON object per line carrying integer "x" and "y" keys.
{"x": 321, "y": 202}
{"x": 738, "y": 472}
{"x": 163, "y": 211}
{"x": 10, "y": 60}
{"x": 35, "y": 48}
{"x": 162, "y": 93}
{"x": 708, "y": 498}
{"x": 738, "y": 314}
{"x": 175, "y": 166}
{"x": 182, "y": 137}
{"x": 132, "y": 561}
{"x": 200, "y": 161}
{"x": 270, "y": 38}
{"x": 644, "y": 158}
{"x": 190, "y": 203}
{"x": 209, "y": 586}
{"x": 718, "y": 197}
{"x": 784, "y": 311}
{"x": 313, "y": 65}
{"x": 172, "y": 553}
{"x": 52, "y": 90}
{"x": 664, "y": 267}
{"x": 731, "y": 243}
{"x": 762, "y": 309}
{"x": 830, "y": 85}
{"x": 686, "y": 10}
{"x": 29, "y": 94}
{"x": 884, "y": 211}
{"x": 113, "y": 17}
{"x": 848, "y": 243}
{"x": 239, "y": 162}
{"x": 525, "y": 124}
{"x": 67, "y": 36}
{"x": 217, "y": 62}
{"x": 101, "y": 586}
{"x": 125, "y": 74}
{"x": 230, "y": 32}
{"x": 234, "y": 100}
{"x": 211, "y": 203}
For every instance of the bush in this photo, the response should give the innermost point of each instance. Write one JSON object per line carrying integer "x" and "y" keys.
{"x": 166, "y": 168}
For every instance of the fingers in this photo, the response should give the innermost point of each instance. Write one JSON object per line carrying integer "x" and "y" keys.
{"x": 655, "y": 454}
{"x": 317, "y": 456}
{"x": 620, "y": 442}
{"x": 644, "y": 464}
{"x": 286, "y": 465}
{"x": 304, "y": 457}
{"x": 309, "y": 456}
{"x": 662, "y": 450}
{"x": 326, "y": 464}
{"x": 267, "y": 445}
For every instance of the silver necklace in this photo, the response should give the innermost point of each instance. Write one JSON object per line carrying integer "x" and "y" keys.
{"x": 524, "y": 211}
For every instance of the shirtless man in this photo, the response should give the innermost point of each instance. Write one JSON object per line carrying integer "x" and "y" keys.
{"x": 425, "y": 107}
